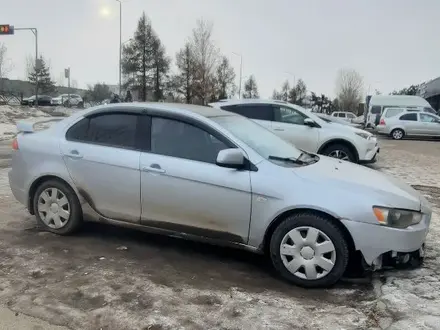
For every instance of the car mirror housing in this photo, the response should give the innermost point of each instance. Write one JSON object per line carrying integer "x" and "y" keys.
{"x": 231, "y": 158}
{"x": 309, "y": 122}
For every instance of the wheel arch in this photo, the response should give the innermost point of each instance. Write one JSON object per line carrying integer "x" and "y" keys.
{"x": 281, "y": 217}
{"x": 344, "y": 142}
{"x": 37, "y": 182}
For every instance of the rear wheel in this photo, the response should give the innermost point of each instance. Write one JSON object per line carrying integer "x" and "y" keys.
{"x": 309, "y": 250}
{"x": 397, "y": 134}
{"x": 339, "y": 151}
{"x": 57, "y": 207}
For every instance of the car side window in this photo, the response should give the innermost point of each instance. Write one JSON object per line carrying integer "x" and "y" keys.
{"x": 114, "y": 130}
{"x": 341, "y": 115}
{"x": 427, "y": 118}
{"x": 289, "y": 115}
{"x": 350, "y": 115}
{"x": 409, "y": 117}
{"x": 252, "y": 111}
{"x": 178, "y": 139}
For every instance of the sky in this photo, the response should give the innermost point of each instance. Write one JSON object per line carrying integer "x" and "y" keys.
{"x": 391, "y": 43}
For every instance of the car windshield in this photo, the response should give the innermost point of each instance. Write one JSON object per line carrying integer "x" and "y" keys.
{"x": 263, "y": 141}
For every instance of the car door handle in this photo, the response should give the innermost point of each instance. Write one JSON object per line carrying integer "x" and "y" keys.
{"x": 74, "y": 154}
{"x": 153, "y": 168}
{"x": 278, "y": 129}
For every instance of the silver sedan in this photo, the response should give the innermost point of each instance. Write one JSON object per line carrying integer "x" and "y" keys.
{"x": 207, "y": 174}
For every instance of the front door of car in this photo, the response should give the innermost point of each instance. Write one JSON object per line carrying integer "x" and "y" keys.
{"x": 429, "y": 125}
{"x": 289, "y": 124}
{"x": 101, "y": 156}
{"x": 410, "y": 123}
{"x": 182, "y": 189}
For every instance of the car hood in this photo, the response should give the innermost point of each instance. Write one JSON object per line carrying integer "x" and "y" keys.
{"x": 389, "y": 191}
{"x": 351, "y": 128}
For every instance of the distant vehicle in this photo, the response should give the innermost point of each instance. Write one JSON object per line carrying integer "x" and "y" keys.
{"x": 379, "y": 102}
{"x": 305, "y": 130}
{"x": 205, "y": 174}
{"x": 344, "y": 115}
{"x": 409, "y": 123}
{"x": 337, "y": 120}
{"x": 68, "y": 100}
{"x": 391, "y": 112}
{"x": 43, "y": 100}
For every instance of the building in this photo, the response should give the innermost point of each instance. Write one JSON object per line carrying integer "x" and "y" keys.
{"x": 430, "y": 91}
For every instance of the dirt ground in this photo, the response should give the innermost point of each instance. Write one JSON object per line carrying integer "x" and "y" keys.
{"x": 113, "y": 278}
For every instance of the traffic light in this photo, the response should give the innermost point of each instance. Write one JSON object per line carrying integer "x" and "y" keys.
{"x": 6, "y": 29}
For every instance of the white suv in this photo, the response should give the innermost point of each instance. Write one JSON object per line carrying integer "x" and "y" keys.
{"x": 306, "y": 130}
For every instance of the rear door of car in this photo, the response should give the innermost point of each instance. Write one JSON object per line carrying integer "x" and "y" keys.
{"x": 259, "y": 112}
{"x": 410, "y": 123}
{"x": 102, "y": 155}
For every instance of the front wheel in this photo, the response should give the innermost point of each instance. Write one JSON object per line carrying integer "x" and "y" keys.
{"x": 309, "y": 250}
{"x": 339, "y": 151}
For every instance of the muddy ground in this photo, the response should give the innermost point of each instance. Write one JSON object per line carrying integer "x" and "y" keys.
{"x": 112, "y": 278}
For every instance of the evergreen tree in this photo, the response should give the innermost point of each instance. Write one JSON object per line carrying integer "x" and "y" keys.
{"x": 144, "y": 62}
{"x": 45, "y": 83}
{"x": 250, "y": 89}
{"x": 225, "y": 77}
{"x": 184, "y": 80}
{"x": 285, "y": 90}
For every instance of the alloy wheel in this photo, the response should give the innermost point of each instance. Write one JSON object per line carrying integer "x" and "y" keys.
{"x": 340, "y": 154}
{"x": 397, "y": 134}
{"x": 308, "y": 253}
{"x": 53, "y": 208}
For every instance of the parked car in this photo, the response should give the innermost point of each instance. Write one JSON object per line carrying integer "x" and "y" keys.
{"x": 410, "y": 123}
{"x": 306, "y": 130}
{"x": 68, "y": 100}
{"x": 391, "y": 112}
{"x": 206, "y": 174}
{"x": 337, "y": 120}
{"x": 43, "y": 100}
{"x": 358, "y": 120}
{"x": 344, "y": 115}
{"x": 379, "y": 102}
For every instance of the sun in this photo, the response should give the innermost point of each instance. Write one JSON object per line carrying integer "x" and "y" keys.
{"x": 105, "y": 12}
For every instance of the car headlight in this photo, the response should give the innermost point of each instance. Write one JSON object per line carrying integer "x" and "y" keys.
{"x": 396, "y": 218}
{"x": 363, "y": 135}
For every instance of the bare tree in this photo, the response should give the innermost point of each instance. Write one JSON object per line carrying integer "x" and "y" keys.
{"x": 206, "y": 56}
{"x": 5, "y": 63}
{"x": 349, "y": 89}
{"x": 225, "y": 77}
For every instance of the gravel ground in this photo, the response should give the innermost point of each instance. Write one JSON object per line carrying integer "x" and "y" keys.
{"x": 113, "y": 278}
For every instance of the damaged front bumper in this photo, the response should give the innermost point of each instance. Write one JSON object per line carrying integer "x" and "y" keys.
{"x": 383, "y": 246}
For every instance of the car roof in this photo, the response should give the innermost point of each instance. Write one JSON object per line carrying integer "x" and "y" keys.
{"x": 245, "y": 101}
{"x": 179, "y": 108}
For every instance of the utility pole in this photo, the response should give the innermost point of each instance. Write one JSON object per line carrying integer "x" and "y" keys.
{"x": 120, "y": 46}
{"x": 67, "y": 75}
{"x": 241, "y": 73}
{"x": 37, "y": 61}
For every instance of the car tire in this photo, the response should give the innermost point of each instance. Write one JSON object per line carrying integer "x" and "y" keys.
{"x": 397, "y": 134}
{"x": 323, "y": 235}
{"x": 63, "y": 213}
{"x": 339, "y": 151}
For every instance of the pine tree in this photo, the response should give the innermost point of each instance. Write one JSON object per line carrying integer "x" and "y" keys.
{"x": 184, "y": 80}
{"x": 224, "y": 80}
{"x": 144, "y": 62}
{"x": 45, "y": 83}
{"x": 250, "y": 89}
{"x": 285, "y": 89}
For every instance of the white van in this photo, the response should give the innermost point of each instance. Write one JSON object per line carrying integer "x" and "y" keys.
{"x": 379, "y": 102}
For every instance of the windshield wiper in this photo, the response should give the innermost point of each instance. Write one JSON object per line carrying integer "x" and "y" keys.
{"x": 287, "y": 159}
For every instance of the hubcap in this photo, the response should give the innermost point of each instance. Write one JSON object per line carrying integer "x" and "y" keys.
{"x": 53, "y": 208}
{"x": 308, "y": 253}
{"x": 339, "y": 154}
{"x": 397, "y": 134}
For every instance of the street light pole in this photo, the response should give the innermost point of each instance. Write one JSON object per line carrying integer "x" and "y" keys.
{"x": 120, "y": 45}
{"x": 241, "y": 73}
{"x": 35, "y": 32}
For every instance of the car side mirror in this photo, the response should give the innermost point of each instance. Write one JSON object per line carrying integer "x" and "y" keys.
{"x": 309, "y": 122}
{"x": 230, "y": 158}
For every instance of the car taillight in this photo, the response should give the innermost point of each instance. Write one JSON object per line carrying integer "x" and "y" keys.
{"x": 15, "y": 144}
{"x": 382, "y": 122}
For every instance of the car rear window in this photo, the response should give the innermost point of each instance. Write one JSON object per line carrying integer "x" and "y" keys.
{"x": 376, "y": 109}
